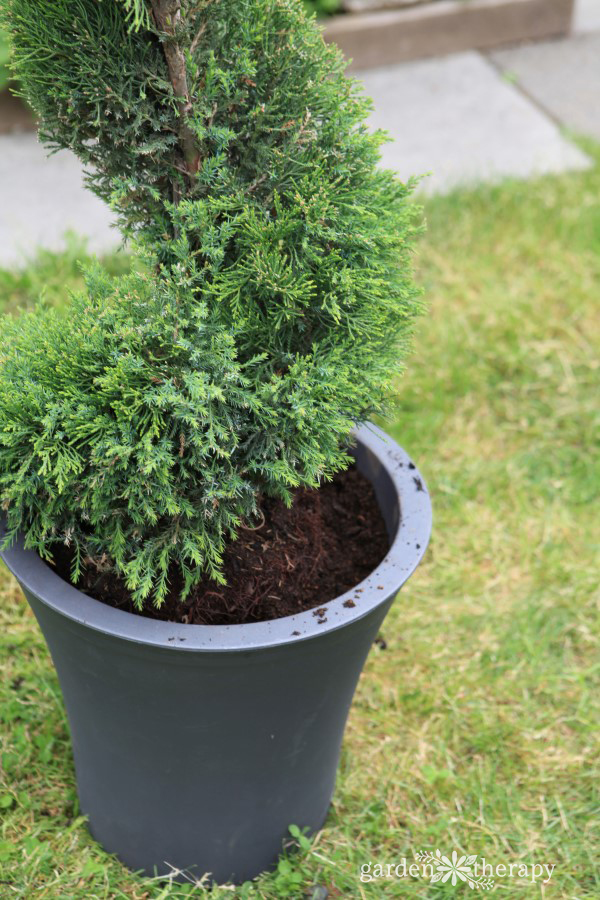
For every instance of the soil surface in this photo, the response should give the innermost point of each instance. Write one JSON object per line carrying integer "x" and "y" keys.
{"x": 297, "y": 559}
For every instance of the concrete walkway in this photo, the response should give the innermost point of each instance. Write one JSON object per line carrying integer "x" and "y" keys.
{"x": 42, "y": 197}
{"x": 459, "y": 119}
{"x": 465, "y": 118}
{"x": 539, "y": 69}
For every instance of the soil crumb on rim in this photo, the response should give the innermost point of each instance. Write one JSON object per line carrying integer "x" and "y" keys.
{"x": 297, "y": 559}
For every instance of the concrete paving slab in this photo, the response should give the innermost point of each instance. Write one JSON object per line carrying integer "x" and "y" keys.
{"x": 586, "y": 16}
{"x": 562, "y": 76}
{"x": 42, "y": 197}
{"x": 458, "y": 118}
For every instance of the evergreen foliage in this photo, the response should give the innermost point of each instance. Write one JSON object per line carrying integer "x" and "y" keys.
{"x": 277, "y": 297}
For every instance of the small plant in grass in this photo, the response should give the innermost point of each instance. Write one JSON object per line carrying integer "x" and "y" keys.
{"x": 323, "y": 7}
{"x": 4, "y": 57}
{"x": 272, "y": 307}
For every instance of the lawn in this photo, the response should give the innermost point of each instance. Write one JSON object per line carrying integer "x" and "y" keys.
{"x": 476, "y": 729}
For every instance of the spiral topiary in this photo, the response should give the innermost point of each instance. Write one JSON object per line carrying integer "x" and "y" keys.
{"x": 274, "y": 296}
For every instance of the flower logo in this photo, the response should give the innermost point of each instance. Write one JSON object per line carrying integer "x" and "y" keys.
{"x": 456, "y": 869}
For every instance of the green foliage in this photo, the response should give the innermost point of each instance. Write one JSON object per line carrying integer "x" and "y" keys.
{"x": 235, "y": 152}
{"x": 130, "y": 421}
{"x": 138, "y": 12}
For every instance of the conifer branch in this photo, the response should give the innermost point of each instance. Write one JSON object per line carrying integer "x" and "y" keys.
{"x": 167, "y": 16}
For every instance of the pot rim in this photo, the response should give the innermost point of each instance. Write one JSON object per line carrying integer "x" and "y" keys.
{"x": 406, "y": 551}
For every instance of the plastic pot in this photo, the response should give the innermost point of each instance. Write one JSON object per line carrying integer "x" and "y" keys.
{"x": 196, "y": 747}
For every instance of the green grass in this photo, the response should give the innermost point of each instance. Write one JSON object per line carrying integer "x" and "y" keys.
{"x": 476, "y": 728}
{"x": 51, "y": 276}
{"x": 323, "y": 7}
{"x": 4, "y": 56}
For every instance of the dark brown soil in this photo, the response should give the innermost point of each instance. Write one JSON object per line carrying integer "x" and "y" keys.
{"x": 298, "y": 559}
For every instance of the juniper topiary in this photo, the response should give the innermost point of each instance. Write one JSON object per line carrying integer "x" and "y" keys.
{"x": 275, "y": 299}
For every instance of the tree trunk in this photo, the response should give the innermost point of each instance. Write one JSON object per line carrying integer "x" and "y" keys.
{"x": 167, "y": 16}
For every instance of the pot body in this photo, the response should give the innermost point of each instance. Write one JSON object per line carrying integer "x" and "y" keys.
{"x": 201, "y": 762}
{"x": 196, "y": 747}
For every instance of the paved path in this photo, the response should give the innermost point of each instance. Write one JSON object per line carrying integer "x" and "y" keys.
{"x": 458, "y": 118}
{"x": 539, "y": 70}
{"x": 42, "y": 198}
{"x": 587, "y": 16}
{"x": 464, "y": 118}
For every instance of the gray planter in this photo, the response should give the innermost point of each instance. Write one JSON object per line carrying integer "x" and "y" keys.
{"x": 197, "y": 746}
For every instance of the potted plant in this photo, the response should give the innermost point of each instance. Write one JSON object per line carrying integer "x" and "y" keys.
{"x": 208, "y": 632}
